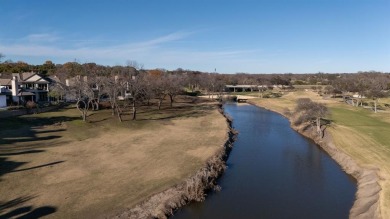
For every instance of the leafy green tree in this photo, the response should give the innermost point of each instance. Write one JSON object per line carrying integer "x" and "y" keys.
{"x": 47, "y": 68}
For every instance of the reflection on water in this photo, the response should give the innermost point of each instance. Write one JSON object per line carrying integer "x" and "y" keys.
{"x": 274, "y": 172}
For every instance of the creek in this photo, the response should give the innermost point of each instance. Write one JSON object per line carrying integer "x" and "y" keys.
{"x": 274, "y": 172}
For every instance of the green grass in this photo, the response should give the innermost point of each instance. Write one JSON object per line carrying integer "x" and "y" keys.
{"x": 362, "y": 121}
{"x": 360, "y": 133}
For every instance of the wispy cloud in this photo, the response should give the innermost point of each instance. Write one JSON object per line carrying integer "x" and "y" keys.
{"x": 45, "y": 37}
{"x": 157, "y": 52}
{"x": 35, "y": 45}
{"x": 167, "y": 38}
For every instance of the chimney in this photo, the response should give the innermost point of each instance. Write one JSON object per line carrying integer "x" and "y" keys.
{"x": 15, "y": 86}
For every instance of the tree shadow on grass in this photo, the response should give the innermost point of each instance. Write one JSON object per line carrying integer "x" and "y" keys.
{"x": 22, "y": 152}
{"x": 39, "y": 166}
{"x": 26, "y": 129}
{"x": 8, "y": 166}
{"x": 26, "y": 138}
{"x": 17, "y": 122}
{"x": 11, "y": 166}
{"x": 8, "y": 209}
{"x": 14, "y": 202}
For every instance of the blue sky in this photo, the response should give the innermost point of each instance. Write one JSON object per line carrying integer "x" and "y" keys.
{"x": 253, "y": 36}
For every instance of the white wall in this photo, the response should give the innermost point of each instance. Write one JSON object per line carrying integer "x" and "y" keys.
{"x": 3, "y": 101}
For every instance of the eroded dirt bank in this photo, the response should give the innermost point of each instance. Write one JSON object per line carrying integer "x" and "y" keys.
{"x": 163, "y": 204}
{"x": 366, "y": 205}
{"x": 194, "y": 188}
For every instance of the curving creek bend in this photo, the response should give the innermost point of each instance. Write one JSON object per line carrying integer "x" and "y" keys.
{"x": 274, "y": 172}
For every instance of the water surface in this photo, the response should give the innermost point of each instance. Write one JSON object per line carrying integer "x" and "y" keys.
{"x": 274, "y": 172}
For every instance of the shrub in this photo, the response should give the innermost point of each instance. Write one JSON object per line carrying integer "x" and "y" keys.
{"x": 276, "y": 95}
{"x": 105, "y": 105}
{"x": 231, "y": 98}
{"x": 15, "y": 107}
{"x": 193, "y": 94}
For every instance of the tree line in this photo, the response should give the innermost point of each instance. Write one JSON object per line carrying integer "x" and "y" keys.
{"x": 127, "y": 87}
{"x": 89, "y": 82}
{"x": 334, "y": 80}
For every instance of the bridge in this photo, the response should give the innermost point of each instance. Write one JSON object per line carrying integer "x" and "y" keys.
{"x": 241, "y": 88}
{"x": 243, "y": 99}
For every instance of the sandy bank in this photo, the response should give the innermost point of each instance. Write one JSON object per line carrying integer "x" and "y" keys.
{"x": 366, "y": 205}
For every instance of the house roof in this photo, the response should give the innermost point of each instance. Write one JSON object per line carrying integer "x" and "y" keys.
{"x": 30, "y": 77}
{"x": 5, "y": 82}
{"x": 23, "y": 76}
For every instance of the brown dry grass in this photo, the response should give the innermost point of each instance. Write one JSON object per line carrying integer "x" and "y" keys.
{"x": 102, "y": 167}
{"x": 360, "y": 133}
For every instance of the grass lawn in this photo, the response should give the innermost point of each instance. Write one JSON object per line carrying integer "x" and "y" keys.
{"x": 365, "y": 136}
{"x": 55, "y": 164}
{"x": 361, "y": 133}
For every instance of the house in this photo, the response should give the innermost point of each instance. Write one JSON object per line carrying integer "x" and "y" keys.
{"x": 22, "y": 87}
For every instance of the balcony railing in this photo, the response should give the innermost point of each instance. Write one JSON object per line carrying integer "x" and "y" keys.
{"x": 4, "y": 90}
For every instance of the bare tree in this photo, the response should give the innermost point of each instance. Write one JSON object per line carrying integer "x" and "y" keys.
{"x": 360, "y": 85}
{"x": 134, "y": 64}
{"x": 174, "y": 87}
{"x": 376, "y": 89}
{"x": 207, "y": 83}
{"x": 78, "y": 89}
{"x": 342, "y": 84}
{"x": 156, "y": 85}
{"x": 193, "y": 80}
{"x": 116, "y": 87}
{"x": 330, "y": 90}
{"x": 58, "y": 91}
{"x": 135, "y": 86}
{"x": 312, "y": 112}
{"x": 95, "y": 79}
{"x": 112, "y": 87}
